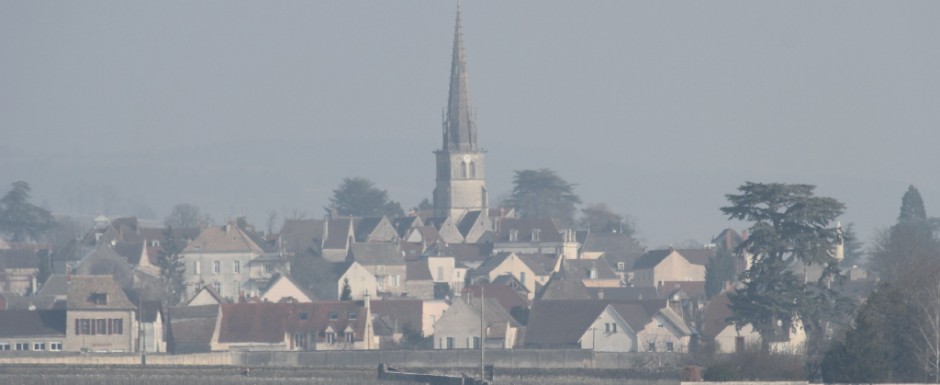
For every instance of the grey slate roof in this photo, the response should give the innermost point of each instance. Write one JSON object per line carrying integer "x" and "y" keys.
{"x": 467, "y": 222}
{"x": 651, "y": 259}
{"x": 403, "y": 224}
{"x": 82, "y": 287}
{"x": 56, "y": 285}
{"x": 550, "y": 230}
{"x": 560, "y": 324}
{"x": 372, "y": 254}
{"x": 581, "y": 269}
{"x": 26, "y": 323}
{"x": 562, "y": 287}
{"x": 18, "y": 259}
{"x": 301, "y": 235}
{"x": 337, "y": 233}
{"x": 365, "y": 226}
{"x": 418, "y": 271}
{"x": 191, "y": 328}
{"x": 624, "y": 293}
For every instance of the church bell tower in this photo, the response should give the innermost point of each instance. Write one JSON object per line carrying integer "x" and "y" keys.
{"x": 461, "y": 170}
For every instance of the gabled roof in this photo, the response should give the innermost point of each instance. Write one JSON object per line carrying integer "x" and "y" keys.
{"x": 418, "y": 271}
{"x": 207, "y": 290}
{"x": 254, "y": 322}
{"x": 633, "y": 314}
{"x": 505, "y": 295}
{"x": 541, "y": 264}
{"x": 18, "y": 259}
{"x": 12, "y": 301}
{"x": 609, "y": 243}
{"x": 338, "y": 232}
{"x": 56, "y": 285}
{"x": 562, "y": 287}
{"x": 466, "y": 223}
{"x": 36, "y": 323}
{"x": 399, "y": 312}
{"x": 84, "y": 290}
{"x": 693, "y": 289}
{"x": 328, "y": 314}
{"x": 300, "y": 235}
{"x": 716, "y": 316}
{"x": 556, "y": 324}
{"x": 624, "y": 293}
{"x": 403, "y": 224}
{"x": 191, "y": 327}
{"x": 728, "y": 239}
{"x": 149, "y": 310}
{"x": 582, "y": 268}
{"x": 373, "y": 254}
{"x": 698, "y": 256}
{"x": 365, "y": 226}
{"x": 224, "y": 239}
{"x": 549, "y": 230}
{"x": 652, "y": 258}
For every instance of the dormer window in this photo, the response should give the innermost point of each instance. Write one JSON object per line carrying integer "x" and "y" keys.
{"x": 99, "y": 298}
{"x": 513, "y": 235}
{"x": 334, "y": 316}
{"x": 621, "y": 266}
{"x": 352, "y": 316}
{"x": 535, "y": 234}
{"x": 154, "y": 243}
{"x": 304, "y": 316}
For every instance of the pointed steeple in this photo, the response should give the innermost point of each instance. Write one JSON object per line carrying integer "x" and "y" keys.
{"x": 460, "y": 132}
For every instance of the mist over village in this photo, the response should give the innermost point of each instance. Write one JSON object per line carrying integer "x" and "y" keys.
{"x": 628, "y": 193}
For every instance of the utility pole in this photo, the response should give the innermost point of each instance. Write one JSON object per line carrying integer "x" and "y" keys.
{"x": 482, "y": 334}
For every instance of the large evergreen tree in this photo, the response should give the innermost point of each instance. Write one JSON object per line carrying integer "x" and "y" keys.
{"x": 720, "y": 270}
{"x": 21, "y": 219}
{"x": 543, "y": 194}
{"x": 172, "y": 268}
{"x": 358, "y": 197}
{"x": 904, "y": 252}
{"x": 878, "y": 347}
{"x": 790, "y": 225}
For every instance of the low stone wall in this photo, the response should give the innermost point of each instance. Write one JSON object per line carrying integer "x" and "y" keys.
{"x": 450, "y": 359}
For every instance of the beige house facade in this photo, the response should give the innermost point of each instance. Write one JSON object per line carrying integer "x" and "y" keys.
{"x": 99, "y": 317}
{"x": 668, "y": 265}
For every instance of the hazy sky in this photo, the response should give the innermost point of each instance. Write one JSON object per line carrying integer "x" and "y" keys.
{"x": 656, "y": 108}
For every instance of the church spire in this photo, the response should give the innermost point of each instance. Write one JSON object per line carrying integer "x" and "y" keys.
{"x": 460, "y": 132}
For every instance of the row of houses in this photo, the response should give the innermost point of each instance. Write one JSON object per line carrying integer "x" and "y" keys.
{"x": 554, "y": 288}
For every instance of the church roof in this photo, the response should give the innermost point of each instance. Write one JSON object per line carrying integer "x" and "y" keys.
{"x": 459, "y": 125}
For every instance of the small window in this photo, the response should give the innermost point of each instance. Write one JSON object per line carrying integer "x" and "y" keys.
{"x": 55, "y": 346}
{"x": 216, "y": 267}
{"x": 99, "y": 298}
{"x": 651, "y": 347}
{"x": 154, "y": 243}
{"x": 476, "y": 342}
{"x": 197, "y": 267}
{"x": 101, "y": 326}
{"x": 513, "y": 235}
{"x": 621, "y": 266}
{"x": 450, "y": 343}
{"x": 117, "y": 326}
{"x": 535, "y": 234}
{"x": 334, "y": 316}
{"x": 39, "y": 346}
{"x": 22, "y": 346}
{"x": 352, "y": 315}
{"x": 304, "y": 315}
{"x": 670, "y": 347}
{"x": 613, "y": 328}
{"x": 349, "y": 338}
{"x": 217, "y": 286}
{"x": 607, "y": 327}
{"x": 331, "y": 338}
{"x": 237, "y": 267}
{"x": 4, "y": 346}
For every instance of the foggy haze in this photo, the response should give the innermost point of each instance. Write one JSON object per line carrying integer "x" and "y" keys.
{"x": 658, "y": 109}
